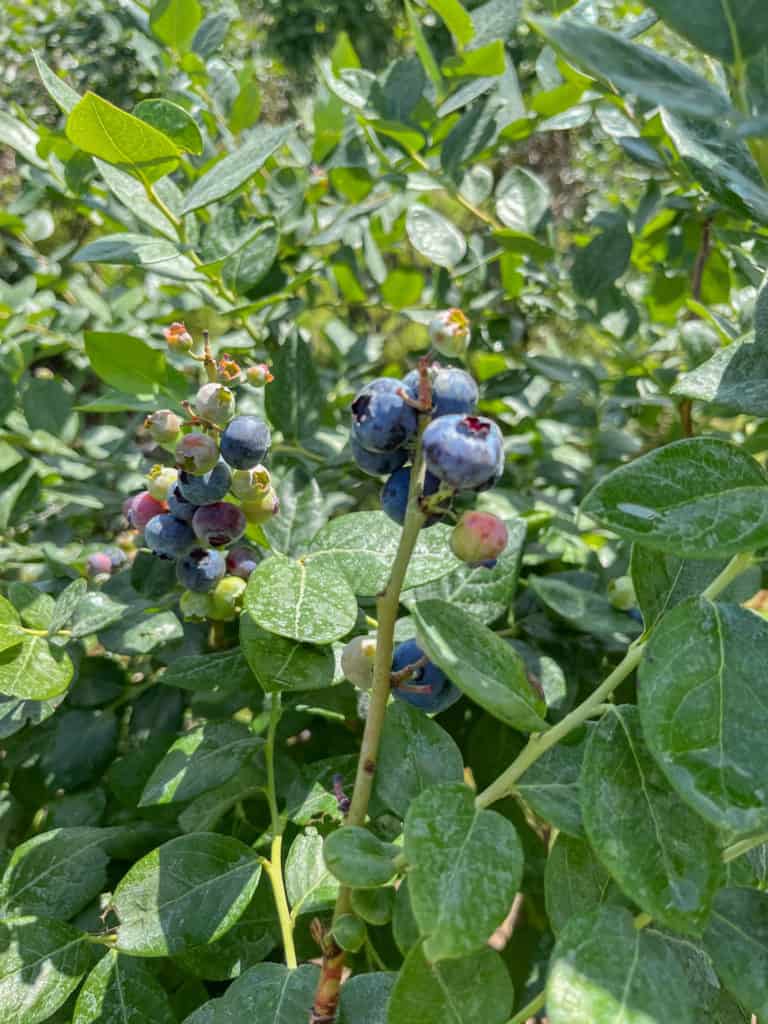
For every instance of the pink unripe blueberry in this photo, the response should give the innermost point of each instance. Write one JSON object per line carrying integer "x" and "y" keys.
{"x": 449, "y": 332}
{"x": 160, "y": 480}
{"x": 250, "y": 484}
{"x": 259, "y": 375}
{"x": 197, "y": 453}
{"x": 215, "y": 403}
{"x": 144, "y": 507}
{"x": 99, "y": 563}
{"x": 218, "y": 524}
{"x": 479, "y": 537}
{"x": 241, "y": 562}
{"x": 357, "y": 661}
{"x": 262, "y": 508}
{"x": 163, "y": 426}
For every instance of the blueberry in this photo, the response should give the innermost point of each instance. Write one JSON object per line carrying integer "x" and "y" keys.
{"x": 394, "y": 496}
{"x": 357, "y": 661}
{"x": 453, "y": 390}
{"x": 425, "y": 685}
{"x": 200, "y": 570}
{"x": 208, "y": 488}
{"x": 479, "y": 538}
{"x": 164, "y": 426}
{"x": 226, "y": 599}
{"x": 449, "y": 332}
{"x": 250, "y": 484}
{"x": 169, "y": 537}
{"x": 197, "y": 453}
{"x": 215, "y": 403}
{"x": 179, "y": 506}
{"x": 381, "y": 418}
{"x": 219, "y": 524}
{"x": 98, "y": 564}
{"x": 160, "y": 480}
{"x": 262, "y": 508}
{"x": 377, "y": 463}
{"x": 465, "y": 452}
{"x": 245, "y": 442}
{"x": 241, "y": 562}
{"x": 142, "y": 508}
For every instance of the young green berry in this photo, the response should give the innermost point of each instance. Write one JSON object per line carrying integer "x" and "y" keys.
{"x": 258, "y": 375}
{"x": 215, "y": 403}
{"x": 197, "y": 453}
{"x": 164, "y": 426}
{"x": 357, "y": 661}
{"x": 449, "y": 332}
{"x": 262, "y": 508}
{"x": 621, "y": 593}
{"x": 160, "y": 481}
{"x": 195, "y": 607}
{"x": 479, "y": 537}
{"x": 250, "y": 484}
{"x": 226, "y": 599}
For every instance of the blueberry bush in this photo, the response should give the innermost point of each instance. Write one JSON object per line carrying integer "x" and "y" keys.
{"x": 383, "y": 508}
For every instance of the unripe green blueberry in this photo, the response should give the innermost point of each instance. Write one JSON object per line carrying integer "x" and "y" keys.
{"x": 262, "y": 508}
{"x": 164, "y": 426}
{"x": 197, "y": 453}
{"x": 195, "y": 607}
{"x": 215, "y": 403}
{"x": 449, "y": 332}
{"x": 621, "y": 593}
{"x": 178, "y": 337}
{"x": 160, "y": 480}
{"x": 258, "y": 375}
{"x": 357, "y": 661}
{"x": 226, "y": 598}
{"x": 479, "y": 537}
{"x": 250, "y": 484}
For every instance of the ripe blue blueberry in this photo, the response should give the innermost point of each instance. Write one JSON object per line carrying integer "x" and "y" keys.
{"x": 453, "y": 390}
{"x": 377, "y": 463}
{"x": 426, "y": 686}
{"x": 465, "y": 452}
{"x": 169, "y": 537}
{"x": 245, "y": 442}
{"x": 381, "y": 418}
{"x": 205, "y": 489}
{"x": 200, "y": 570}
{"x": 219, "y": 524}
{"x": 394, "y": 496}
{"x": 178, "y": 505}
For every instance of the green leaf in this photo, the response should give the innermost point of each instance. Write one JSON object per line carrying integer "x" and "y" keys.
{"x": 604, "y": 969}
{"x": 358, "y": 859}
{"x": 207, "y": 810}
{"x": 133, "y": 196}
{"x": 364, "y": 998}
{"x": 489, "y": 59}
{"x": 434, "y": 237}
{"x": 20, "y": 137}
{"x": 421, "y": 46}
{"x": 294, "y": 401}
{"x": 268, "y": 993}
{"x": 203, "y": 672}
{"x": 251, "y": 263}
{"x": 125, "y": 362}
{"x": 552, "y": 788}
{"x": 302, "y": 513}
{"x": 34, "y": 670}
{"x": 575, "y": 882}
{"x": 464, "y": 868}
{"x": 174, "y": 22}
{"x": 480, "y": 663}
{"x": 415, "y": 753}
{"x": 11, "y": 630}
{"x": 307, "y": 600}
{"x": 95, "y": 612}
{"x": 634, "y": 69}
{"x": 56, "y": 872}
{"x": 472, "y": 988}
{"x": 173, "y": 121}
{"x": 374, "y": 906}
{"x": 718, "y": 26}
{"x": 66, "y": 603}
{"x": 700, "y": 703}
{"x": 156, "y": 254}
{"x": 475, "y": 131}
{"x": 103, "y": 130}
{"x": 700, "y": 498}
{"x": 308, "y": 883}
{"x": 120, "y": 990}
{"x": 664, "y": 857}
{"x": 522, "y": 200}
{"x": 603, "y": 261}
{"x": 457, "y": 19}
{"x": 188, "y": 892}
{"x": 235, "y": 170}
{"x": 735, "y": 377}
{"x": 737, "y": 941}
{"x": 62, "y": 94}
{"x": 41, "y": 964}
{"x": 362, "y": 546}
{"x": 583, "y": 609}
{"x": 199, "y": 760}
{"x": 282, "y": 664}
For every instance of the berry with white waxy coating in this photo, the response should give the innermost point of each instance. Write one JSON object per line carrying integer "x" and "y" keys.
{"x": 197, "y": 453}
{"x": 160, "y": 480}
{"x": 164, "y": 426}
{"x": 241, "y": 562}
{"x": 142, "y": 508}
{"x": 226, "y": 599}
{"x": 453, "y": 390}
{"x": 465, "y": 452}
{"x": 425, "y": 684}
{"x": 449, "y": 332}
{"x": 219, "y": 524}
{"x": 479, "y": 537}
{"x": 208, "y": 487}
{"x": 377, "y": 463}
{"x": 263, "y": 508}
{"x": 169, "y": 537}
{"x": 382, "y": 420}
{"x": 200, "y": 570}
{"x": 394, "y": 495}
{"x": 245, "y": 442}
{"x": 179, "y": 506}
{"x": 215, "y": 403}
{"x": 250, "y": 484}
{"x": 357, "y": 661}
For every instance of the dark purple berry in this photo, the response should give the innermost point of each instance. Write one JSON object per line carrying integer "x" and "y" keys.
{"x": 200, "y": 570}
{"x": 219, "y": 524}
{"x": 208, "y": 488}
{"x": 394, "y": 496}
{"x": 179, "y": 506}
{"x": 169, "y": 537}
{"x": 377, "y": 463}
{"x": 241, "y": 562}
{"x": 425, "y": 685}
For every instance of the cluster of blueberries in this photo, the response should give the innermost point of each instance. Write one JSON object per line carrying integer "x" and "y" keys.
{"x": 463, "y": 452}
{"x": 183, "y": 511}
